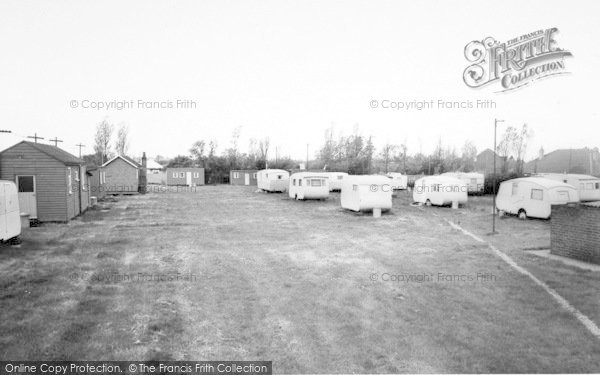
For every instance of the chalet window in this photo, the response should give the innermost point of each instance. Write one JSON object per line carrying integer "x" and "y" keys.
{"x": 515, "y": 188}
{"x": 69, "y": 181}
{"x": 77, "y": 175}
{"x": 174, "y": 174}
{"x": 537, "y": 194}
{"x": 181, "y": 174}
{"x": 102, "y": 177}
{"x": 197, "y": 175}
{"x": 254, "y": 175}
{"x": 26, "y": 184}
{"x": 83, "y": 182}
{"x": 236, "y": 175}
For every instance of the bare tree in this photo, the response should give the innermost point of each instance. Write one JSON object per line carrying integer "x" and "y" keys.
{"x": 387, "y": 154}
{"x": 469, "y": 153}
{"x": 197, "y": 152}
{"x": 263, "y": 149}
{"x": 102, "y": 139}
{"x": 519, "y": 146}
{"x": 122, "y": 142}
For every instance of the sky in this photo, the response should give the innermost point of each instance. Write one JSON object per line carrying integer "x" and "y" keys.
{"x": 287, "y": 70}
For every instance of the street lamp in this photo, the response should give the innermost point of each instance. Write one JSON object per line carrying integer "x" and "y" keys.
{"x": 496, "y": 121}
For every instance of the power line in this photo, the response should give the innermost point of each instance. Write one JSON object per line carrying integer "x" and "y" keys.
{"x": 80, "y": 146}
{"x": 55, "y": 140}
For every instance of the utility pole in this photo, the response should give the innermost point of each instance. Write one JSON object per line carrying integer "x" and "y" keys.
{"x": 35, "y": 137}
{"x": 496, "y": 121}
{"x": 55, "y": 140}
{"x": 80, "y": 146}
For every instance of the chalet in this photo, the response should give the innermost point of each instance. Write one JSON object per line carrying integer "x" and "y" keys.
{"x": 185, "y": 176}
{"x": 121, "y": 175}
{"x": 52, "y": 183}
{"x": 243, "y": 177}
{"x": 155, "y": 173}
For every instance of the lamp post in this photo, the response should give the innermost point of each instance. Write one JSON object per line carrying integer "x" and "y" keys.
{"x": 496, "y": 121}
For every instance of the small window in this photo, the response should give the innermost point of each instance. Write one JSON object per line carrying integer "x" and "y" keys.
{"x": 597, "y": 185}
{"x": 279, "y": 177}
{"x": 537, "y": 194}
{"x": 300, "y": 182}
{"x": 589, "y": 186}
{"x": 355, "y": 187}
{"x": 474, "y": 181}
{"x": 197, "y": 175}
{"x": 236, "y": 175}
{"x": 26, "y": 184}
{"x": 77, "y": 175}
{"x": 565, "y": 181}
{"x": 316, "y": 182}
{"x": 340, "y": 177}
{"x": 69, "y": 181}
{"x": 174, "y": 174}
{"x": 181, "y": 174}
{"x": 254, "y": 175}
{"x": 581, "y": 186}
{"x": 515, "y": 188}
{"x": 83, "y": 182}
{"x": 294, "y": 182}
{"x": 563, "y": 195}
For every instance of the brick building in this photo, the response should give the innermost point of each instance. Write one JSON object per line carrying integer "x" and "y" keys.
{"x": 575, "y": 231}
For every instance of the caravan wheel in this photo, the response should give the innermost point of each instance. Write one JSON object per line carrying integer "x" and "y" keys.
{"x": 501, "y": 213}
{"x": 428, "y": 203}
{"x": 522, "y": 214}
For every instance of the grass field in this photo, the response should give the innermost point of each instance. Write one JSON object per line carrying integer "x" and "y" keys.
{"x": 304, "y": 284}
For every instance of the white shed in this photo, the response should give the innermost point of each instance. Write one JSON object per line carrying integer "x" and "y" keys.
{"x": 272, "y": 180}
{"x": 533, "y": 196}
{"x": 475, "y": 181}
{"x": 309, "y": 185}
{"x": 439, "y": 191}
{"x": 336, "y": 180}
{"x": 587, "y": 186}
{"x": 365, "y": 193}
{"x": 10, "y": 215}
{"x": 399, "y": 180}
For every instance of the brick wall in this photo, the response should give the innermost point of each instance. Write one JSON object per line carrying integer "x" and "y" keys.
{"x": 575, "y": 232}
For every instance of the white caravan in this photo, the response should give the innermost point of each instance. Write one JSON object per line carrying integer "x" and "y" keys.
{"x": 272, "y": 180}
{"x": 474, "y": 181}
{"x": 533, "y": 196}
{"x": 309, "y": 185}
{"x": 336, "y": 180}
{"x": 399, "y": 180}
{"x": 439, "y": 191}
{"x": 587, "y": 186}
{"x": 366, "y": 193}
{"x": 10, "y": 215}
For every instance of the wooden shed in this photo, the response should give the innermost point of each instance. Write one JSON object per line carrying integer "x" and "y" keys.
{"x": 243, "y": 177}
{"x": 185, "y": 176}
{"x": 121, "y": 175}
{"x": 52, "y": 183}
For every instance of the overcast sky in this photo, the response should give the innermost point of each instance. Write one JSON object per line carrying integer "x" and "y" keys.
{"x": 287, "y": 70}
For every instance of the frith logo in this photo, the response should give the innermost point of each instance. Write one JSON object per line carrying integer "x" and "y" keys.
{"x": 515, "y": 63}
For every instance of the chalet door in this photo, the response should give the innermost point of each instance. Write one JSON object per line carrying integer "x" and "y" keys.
{"x": 188, "y": 178}
{"x": 247, "y": 179}
{"x": 27, "y": 195}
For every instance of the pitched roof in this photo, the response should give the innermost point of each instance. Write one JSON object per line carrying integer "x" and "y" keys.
{"x": 54, "y": 152}
{"x": 128, "y": 160}
{"x": 562, "y": 160}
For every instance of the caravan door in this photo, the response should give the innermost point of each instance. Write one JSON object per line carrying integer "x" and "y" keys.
{"x": 27, "y": 199}
{"x": 247, "y": 179}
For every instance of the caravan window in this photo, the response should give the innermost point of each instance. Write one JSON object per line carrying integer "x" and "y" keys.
{"x": 355, "y": 187}
{"x": 537, "y": 194}
{"x": 340, "y": 177}
{"x": 474, "y": 181}
{"x": 515, "y": 188}
{"x": 563, "y": 195}
{"x": 279, "y": 177}
{"x": 597, "y": 185}
{"x": 299, "y": 182}
{"x": 315, "y": 182}
{"x": 294, "y": 182}
{"x": 589, "y": 186}
{"x": 582, "y": 186}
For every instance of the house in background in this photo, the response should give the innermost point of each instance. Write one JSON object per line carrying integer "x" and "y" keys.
{"x": 121, "y": 175}
{"x": 155, "y": 173}
{"x": 52, "y": 183}
{"x": 578, "y": 161}
{"x": 185, "y": 176}
{"x": 484, "y": 162}
{"x": 243, "y": 177}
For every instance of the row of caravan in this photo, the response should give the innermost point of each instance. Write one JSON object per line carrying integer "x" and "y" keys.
{"x": 525, "y": 197}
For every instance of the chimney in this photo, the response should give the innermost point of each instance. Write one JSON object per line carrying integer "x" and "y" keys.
{"x": 143, "y": 181}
